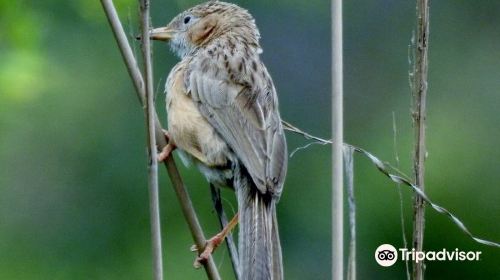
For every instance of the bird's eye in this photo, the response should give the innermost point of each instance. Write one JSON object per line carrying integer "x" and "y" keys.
{"x": 187, "y": 19}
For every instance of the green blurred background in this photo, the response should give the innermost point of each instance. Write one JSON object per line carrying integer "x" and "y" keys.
{"x": 73, "y": 192}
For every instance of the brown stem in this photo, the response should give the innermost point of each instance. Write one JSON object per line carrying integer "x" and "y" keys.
{"x": 419, "y": 118}
{"x": 175, "y": 178}
{"x": 149, "y": 110}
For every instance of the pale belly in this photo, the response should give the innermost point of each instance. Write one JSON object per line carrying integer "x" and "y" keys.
{"x": 193, "y": 135}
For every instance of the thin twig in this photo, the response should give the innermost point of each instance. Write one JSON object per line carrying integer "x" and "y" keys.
{"x": 399, "y": 178}
{"x": 175, "y": 178}
{"x": 337, "y": 146}
{"x": 233, "y": 252}
{"x": 149, "y": 109}
{"x": 419, "y": 119}
{"x": 351, "y": 202}
{"x": 400, "y": 192}
{"x": 288, "y": 126}
{"x": 305, "y": 147}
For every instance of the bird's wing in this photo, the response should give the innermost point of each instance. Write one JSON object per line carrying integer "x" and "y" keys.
{"x": 238, "y": 99}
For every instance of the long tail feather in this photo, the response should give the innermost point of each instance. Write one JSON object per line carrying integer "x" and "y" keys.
{"x": 277, "y": 255}
{"x": 259, "y": 246}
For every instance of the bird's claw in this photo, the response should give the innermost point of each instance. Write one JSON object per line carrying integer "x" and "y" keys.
{"x": 166, "y": 134}
{"x": 210, "y": 247}
{"x": 193, "y": 248}
{"x": 167, "y": 150}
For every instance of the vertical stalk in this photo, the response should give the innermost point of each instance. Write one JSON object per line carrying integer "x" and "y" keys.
{"x": 401, "y": 205}
{"x": 337, "y": 139}
{"x": 149, "y": 109}
{"x": 351, "y": 202}
{"x": 173, "y": 173}
{"x": 419, "y": 118}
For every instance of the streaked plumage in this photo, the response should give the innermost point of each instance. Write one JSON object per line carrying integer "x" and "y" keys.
{"x": 223, "y": 115}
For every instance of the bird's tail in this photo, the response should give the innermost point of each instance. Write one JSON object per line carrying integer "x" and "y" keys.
{"x": 259, "y": 244}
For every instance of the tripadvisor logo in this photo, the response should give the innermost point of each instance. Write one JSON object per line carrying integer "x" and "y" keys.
{"x": 387, "y": 255}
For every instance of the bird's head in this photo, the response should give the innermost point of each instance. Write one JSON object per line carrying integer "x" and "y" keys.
{"x": 202, "y": 24}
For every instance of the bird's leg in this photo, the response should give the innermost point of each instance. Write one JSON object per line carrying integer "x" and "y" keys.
{"x": 214, "y": 242}
{"x": 231, "y": 246}
{"x": 167, "y": 150}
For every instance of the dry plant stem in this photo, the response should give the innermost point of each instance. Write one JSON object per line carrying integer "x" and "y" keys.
{"x": 351, "y": 199}
{"x": 399, "y": 178}
{"x": 419, "y": 118}
{"x": 175, "y": 178}
{"x": 154, "y": 201}
{"x": 400, "y": 192}
{"x": 337, "y": 144}
{"x": 233, "y": 252}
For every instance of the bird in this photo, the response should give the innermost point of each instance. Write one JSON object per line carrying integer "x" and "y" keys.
{"x": 223, "y": 117}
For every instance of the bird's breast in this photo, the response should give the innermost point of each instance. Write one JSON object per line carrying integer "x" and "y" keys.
{"x": 189, "y": 130}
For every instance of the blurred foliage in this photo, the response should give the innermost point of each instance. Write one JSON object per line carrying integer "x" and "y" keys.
{"x": 73, "y": 194}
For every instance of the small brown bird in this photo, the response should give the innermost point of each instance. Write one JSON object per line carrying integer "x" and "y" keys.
{"x": 223, "y": 116}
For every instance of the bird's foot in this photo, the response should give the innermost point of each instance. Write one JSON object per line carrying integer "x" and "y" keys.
{"x": 213, "y": 243}
{"x": 167, "y": 150}
{"x": 210, "y": 247}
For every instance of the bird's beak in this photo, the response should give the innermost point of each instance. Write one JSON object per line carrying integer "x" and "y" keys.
{"x": 161, "y": 34}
